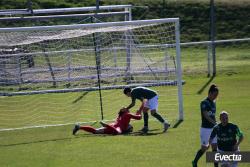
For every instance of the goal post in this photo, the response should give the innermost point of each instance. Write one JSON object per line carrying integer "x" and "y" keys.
{"x": 61, "y": 85}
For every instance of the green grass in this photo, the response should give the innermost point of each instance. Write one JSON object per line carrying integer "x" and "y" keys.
{"x": 55, "y": 146}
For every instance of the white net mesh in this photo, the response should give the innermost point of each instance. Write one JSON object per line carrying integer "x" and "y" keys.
{"x": 36, "y": 62}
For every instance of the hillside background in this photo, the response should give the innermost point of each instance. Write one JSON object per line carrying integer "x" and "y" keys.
{"x": 232, "y": 17}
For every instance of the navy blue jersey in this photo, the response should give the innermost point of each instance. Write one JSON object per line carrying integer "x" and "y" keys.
{"x": 208, "y": 106}
{"x": 142, "y": 93}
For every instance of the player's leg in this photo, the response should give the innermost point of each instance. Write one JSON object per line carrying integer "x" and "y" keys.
{"x": 214, "y": 149}
{"x": 199, "y": 154}
{"x": 100, "y": 130}
{"x": 225, "y": 165}
{"x": 75, "y": 129}
{"x": 85, "y": 128}
{"x": 112, "y": 130}
{"x": 129, "y": 129}
{"x": 204, "y": 137}
{"x": 234, "y": 164}
{"x": 145, "y": 120}
{"x": 88, "y": 129}
{"x": 153, "y": 105}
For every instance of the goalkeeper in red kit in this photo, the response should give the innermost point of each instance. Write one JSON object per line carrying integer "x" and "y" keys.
{"x": 120, "y": 126}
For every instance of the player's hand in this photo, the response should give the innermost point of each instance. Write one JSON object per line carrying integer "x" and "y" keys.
{"x": 138, "y": 112}
{"x": 236, "y": 147}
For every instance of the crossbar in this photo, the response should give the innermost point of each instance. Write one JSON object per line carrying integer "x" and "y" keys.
{"x": 165, "y": 83}
{"x": 61, "y": 10}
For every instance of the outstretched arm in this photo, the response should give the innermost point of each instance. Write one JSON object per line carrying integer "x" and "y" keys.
{"x": 142, "y": 106}
{"x": 212, "y": 136}
{"x": 132, "y": 104}
{"x": 137, "y": 116}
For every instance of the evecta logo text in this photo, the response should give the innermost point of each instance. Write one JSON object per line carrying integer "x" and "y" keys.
{"x": 227, "y": 157}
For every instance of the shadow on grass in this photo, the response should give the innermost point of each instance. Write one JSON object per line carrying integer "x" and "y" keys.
{"x": 80, "y": 97}
{"x": 84, "y": 135}
{"x": 140, "y": 133}
{"x": 54, "y": 140}
{"x": 177, "y": 123}
{"x": 206, "y": 84}
{"x": 34, "y": 142}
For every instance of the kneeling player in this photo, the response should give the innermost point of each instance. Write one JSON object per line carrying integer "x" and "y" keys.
{"x": 121, "y": 125}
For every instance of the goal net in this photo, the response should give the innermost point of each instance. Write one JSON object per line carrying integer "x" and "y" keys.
{"x": 59, "y": 75}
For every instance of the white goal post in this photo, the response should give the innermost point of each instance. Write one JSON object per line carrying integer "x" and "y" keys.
{"x": 90, "y": 64}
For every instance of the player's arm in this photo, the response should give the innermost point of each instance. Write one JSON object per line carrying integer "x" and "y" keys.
{"x": 240, "y": 136}
{"x": 212, "y": 136}
{"x": 205, "y": 114}
{"x": 132, "y": 104}
{"x": 137, "y": 116}
{"x": 142, "y": 106}
{"x": 205, "y": 111}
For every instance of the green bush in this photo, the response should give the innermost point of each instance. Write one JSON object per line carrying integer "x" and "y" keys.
{"x": 232, "y": 21}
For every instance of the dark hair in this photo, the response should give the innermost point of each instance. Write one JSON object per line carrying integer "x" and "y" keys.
{"x": 213, "y": 88}
{"x": 126, "y": 90}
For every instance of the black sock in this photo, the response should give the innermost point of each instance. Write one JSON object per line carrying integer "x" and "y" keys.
{"x": 198, "y": 156}
{"x": 145, "y": 118}
{"x": 158, "y": 117}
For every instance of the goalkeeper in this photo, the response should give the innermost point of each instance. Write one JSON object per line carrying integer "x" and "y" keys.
{"x": 120, "y": 126}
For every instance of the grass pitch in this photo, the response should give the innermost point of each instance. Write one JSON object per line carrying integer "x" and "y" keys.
{"x": 56, "y": 146}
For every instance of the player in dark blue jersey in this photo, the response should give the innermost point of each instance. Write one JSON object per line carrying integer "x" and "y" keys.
{"x": 227, "y": 134}
{"x": 149, "y": 99}
{"x": 208, "y": 121}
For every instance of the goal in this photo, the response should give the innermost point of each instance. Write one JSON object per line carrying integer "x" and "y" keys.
{"x": 63, "y": 74}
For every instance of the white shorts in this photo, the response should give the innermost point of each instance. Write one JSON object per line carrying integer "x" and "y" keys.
{"x": 152, "y": 103}
{"x": 230, "y": 164}
{"x": 205, "y": 135}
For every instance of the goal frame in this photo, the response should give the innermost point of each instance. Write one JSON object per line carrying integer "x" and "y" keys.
{"x": 108, "y": 24}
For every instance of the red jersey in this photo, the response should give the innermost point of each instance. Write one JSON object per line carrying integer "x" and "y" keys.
{"x": 123, "y": 120}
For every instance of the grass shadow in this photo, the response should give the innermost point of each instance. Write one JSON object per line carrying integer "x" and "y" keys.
{"x": 83, "y": 135}
{"x": 80, "y": 97}
{"x": 140, "y": 133}
{"x": 205, "y": 85}
{"x": 34, "y": 142}
{"x": 54, "y": 140}
{"x": 177, "y": 123}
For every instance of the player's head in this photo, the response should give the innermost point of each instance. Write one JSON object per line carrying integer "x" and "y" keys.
{"x": 127, "y": 91}
{"x": 224, "y": 118}
{"x": 213, "y": 92}
{"x": 122, "y": 111}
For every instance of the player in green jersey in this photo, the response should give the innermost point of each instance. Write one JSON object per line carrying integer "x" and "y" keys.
{"x": 227, "y": 134}
{"x": 149, "y": 99}
{"x": 208, "y": 121}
